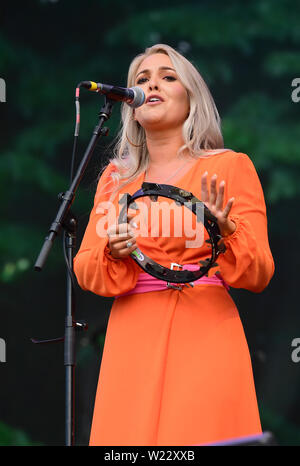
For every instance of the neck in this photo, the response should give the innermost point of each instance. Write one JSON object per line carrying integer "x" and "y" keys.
{"x": 163, "y": 147}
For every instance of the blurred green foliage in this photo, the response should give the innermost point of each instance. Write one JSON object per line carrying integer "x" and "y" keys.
{"x": 248, "y": 55}
{"x": 14, "y": 437}
{"x": 286, "y": 433}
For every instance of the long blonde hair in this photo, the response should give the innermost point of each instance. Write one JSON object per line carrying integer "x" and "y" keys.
{"x": 201, "y": 131}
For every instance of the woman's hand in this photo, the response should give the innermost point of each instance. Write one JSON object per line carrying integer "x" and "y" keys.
{"x": 214, "y": 202}
{"x": 121, "y": 240}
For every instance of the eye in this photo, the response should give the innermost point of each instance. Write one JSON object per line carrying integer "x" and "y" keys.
{"x": 170, "y": 78}
{"x": 141, "y": 80}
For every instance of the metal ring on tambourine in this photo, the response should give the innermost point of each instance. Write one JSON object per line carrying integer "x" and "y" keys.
{"x": 153, "y": 190}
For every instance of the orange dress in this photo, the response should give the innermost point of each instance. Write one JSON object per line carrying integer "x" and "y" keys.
{"x": 176, "y": 368}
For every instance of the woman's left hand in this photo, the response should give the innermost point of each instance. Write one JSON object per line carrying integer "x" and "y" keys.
{"x": 214, "y": 202}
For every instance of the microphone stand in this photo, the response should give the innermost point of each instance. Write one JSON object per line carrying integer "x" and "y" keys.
{"x": 66, "y": 221}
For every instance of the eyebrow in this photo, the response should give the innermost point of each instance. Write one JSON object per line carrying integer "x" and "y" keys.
{"x": 160, "y": 68}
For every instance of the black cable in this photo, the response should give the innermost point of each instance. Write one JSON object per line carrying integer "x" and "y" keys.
{"x": 76, "y": 134}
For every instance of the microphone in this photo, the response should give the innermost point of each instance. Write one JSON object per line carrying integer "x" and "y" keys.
{"x": 133, "y": 96}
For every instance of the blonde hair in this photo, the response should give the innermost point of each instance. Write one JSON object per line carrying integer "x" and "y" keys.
{"x": 201, "y": 131}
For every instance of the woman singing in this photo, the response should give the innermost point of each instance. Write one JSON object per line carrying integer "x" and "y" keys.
{"x": 176, "y": 368}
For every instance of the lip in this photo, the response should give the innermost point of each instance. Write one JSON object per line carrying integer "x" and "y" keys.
{"x": 151, "y": 96}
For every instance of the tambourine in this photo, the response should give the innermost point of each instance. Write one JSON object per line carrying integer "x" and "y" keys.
{"x": 183, "y": 198}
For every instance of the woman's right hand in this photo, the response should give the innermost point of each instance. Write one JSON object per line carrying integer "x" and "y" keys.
{"x": 119, "y": 238}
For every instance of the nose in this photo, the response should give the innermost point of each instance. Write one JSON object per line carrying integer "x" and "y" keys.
{"x": 153, "y": 87}
{"x": 153, "y": 83}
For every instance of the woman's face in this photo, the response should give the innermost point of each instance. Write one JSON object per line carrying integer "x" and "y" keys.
{"x": 167, "y": 102}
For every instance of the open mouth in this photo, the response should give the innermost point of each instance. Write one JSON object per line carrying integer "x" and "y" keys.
{"x": 154, "y": 99}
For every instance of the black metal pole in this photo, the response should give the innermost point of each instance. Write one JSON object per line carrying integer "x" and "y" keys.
{"x": 69, "y": 347}
{"x": 66, "y": 221}
{"x": 68, "y": 198}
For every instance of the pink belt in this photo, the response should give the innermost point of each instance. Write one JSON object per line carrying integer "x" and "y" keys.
{"x": 147, "y": 283}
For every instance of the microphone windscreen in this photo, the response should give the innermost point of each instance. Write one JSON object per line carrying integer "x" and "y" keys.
{"x": 139, "y": 97}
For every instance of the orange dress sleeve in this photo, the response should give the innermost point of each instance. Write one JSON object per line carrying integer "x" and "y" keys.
{"x": 247, "y": 262}
{"x": 95, "y": 269}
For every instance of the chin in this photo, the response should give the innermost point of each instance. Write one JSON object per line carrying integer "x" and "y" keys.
{"x": 153, "y": 123}
{"x": 158, "y": 121}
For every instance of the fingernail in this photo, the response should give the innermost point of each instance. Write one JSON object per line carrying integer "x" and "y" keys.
{"x": 134, "y": 225}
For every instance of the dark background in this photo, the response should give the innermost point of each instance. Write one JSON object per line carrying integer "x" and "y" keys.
{"x": 248, "y": 53}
